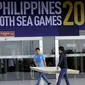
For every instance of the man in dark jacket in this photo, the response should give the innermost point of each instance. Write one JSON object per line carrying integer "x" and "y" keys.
{"x": 63, "y": 65}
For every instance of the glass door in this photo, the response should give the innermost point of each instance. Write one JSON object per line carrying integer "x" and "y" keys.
{"x": 75, "y": 50}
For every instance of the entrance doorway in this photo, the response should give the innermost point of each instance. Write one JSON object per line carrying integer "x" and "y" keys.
{"x": 75, "y": 51}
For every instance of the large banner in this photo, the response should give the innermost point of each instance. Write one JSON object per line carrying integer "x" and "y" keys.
{"x": 23, "y": 18}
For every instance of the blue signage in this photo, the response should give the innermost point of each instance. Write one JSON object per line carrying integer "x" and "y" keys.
{"x": 42, "y": 18}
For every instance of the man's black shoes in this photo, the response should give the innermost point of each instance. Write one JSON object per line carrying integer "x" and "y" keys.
{"x": 49, "y": 83}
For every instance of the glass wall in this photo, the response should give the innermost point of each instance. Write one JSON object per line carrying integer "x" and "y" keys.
{"x": 75, "y": 50}
{"x": 16, "y": 57}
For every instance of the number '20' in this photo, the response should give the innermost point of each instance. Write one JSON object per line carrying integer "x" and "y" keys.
{"x": 75, "y": 11}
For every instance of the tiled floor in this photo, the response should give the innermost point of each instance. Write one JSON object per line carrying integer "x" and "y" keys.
{"x": 73, "y": 81}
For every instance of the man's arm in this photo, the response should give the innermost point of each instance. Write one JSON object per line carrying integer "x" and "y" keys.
{"x": 36, "y": 64}
{"x": 45, "y": 63}
{"x": 43, "y": 57}
{"x": 61, "y": 57}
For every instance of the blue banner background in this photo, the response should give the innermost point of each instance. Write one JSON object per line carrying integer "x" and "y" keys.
{"x": 26, "y": 31}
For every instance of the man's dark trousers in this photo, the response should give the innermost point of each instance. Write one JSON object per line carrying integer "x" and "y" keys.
{"x": 63, "y": 73}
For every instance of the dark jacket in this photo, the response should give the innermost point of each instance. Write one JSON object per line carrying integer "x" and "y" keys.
{"x": 62, "y": 61}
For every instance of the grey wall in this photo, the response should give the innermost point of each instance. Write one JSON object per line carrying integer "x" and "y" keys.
{"x": 48, "y": 44}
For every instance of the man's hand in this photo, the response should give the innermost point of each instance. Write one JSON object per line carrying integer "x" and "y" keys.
{"x": 58, "y": 68}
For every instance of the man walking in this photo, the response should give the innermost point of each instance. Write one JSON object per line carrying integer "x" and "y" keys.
{"x": 39, "y": 60}
{"x": 63, "y": 65}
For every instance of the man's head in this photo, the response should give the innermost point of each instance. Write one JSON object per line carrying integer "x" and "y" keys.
{"x": 37, "y": 51}
{"x": 61, "y": 49}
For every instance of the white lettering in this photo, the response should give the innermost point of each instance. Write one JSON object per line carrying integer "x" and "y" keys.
{"x": 0, "y": 5}
{"x": 51, "y": 8}
{"x": 15, "y": 9}
{"x": 44, "y": 8}
{"x": 29, "y": 22}
{"x": 58, "y": 8}
{"x": 33, "y": 7}
{"x": 59, "y": 21}
{"x": 6, "y": 8}
{"x": 36, "y": 20}
{"x": 26, "y": 7}
{"x": 19, "y": 22}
